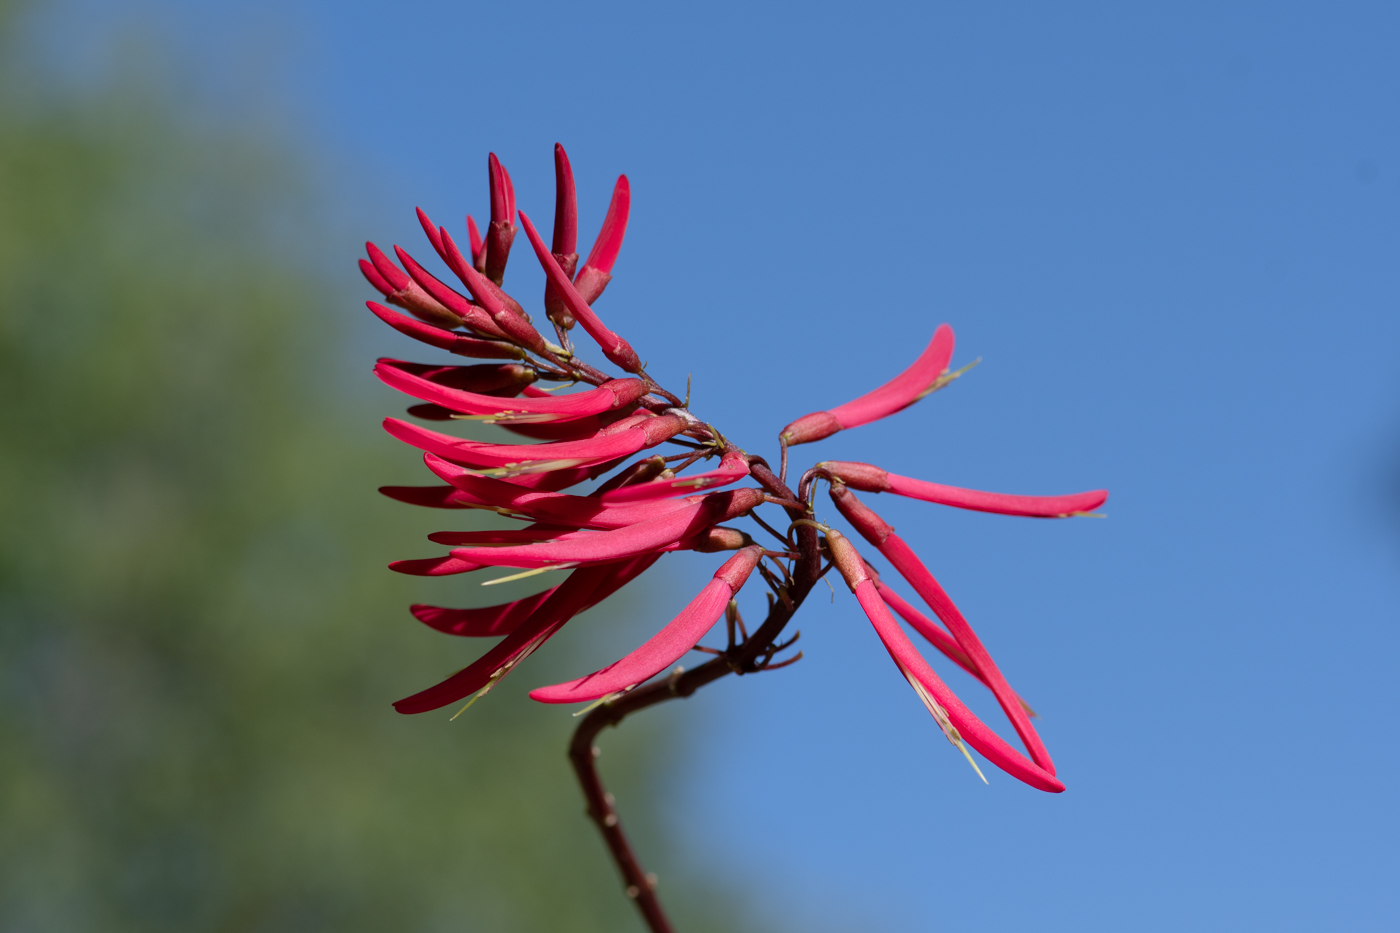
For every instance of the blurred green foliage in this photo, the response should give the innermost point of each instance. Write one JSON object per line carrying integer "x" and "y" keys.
{"x": 198, "y": 639}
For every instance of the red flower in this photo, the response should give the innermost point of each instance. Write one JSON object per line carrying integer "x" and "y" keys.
{"x": 649, "y": 506}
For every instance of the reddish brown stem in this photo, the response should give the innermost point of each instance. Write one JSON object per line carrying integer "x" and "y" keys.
{"x": 739, "y": 659}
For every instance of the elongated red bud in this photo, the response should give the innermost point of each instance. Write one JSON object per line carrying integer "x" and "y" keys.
{"x": 925, "y": 375}
{"x": 955, "y": 719}
{"x": 431, "y": 229}
{"x": 565, "y": 243}
{"x": 868, "y": 478}
{"x": 564, "y": 453}
{"x": 616, "y": 349}
{"x": 492, "y": 300}
{"x": 477, "y": 244}
{"x": 434, "y": 566}
{"x": 501, "y": 233}
{"x": 596, "y": 272}
{"x": 401, "y": 290}
{"x": 668, "y": 645}
{"x": 459, "y": 344}
{"x": 902, "y": 558}
{"x": 472, "y": 315}
{"x": 554, "y": 408}
{"x": 722, "y": 538}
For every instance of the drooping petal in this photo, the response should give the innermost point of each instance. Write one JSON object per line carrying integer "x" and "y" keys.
{"x": 561, "y": 606}
{"x": 733, "y": 466}
{"x": 879, "y": 533}
{"x": 498, "y": 380}
{"x": 956, "y": 720}
{"x": 459, "y": 344}
{"x": 630, "y": 541}
{"x": 616, "y": 349}
{"x": 492, "y": 621}
{"x": 597, "y": 269}
{"x": 668, "y": 645}
{"x": 903, "y": 390}
{"x": 870, "y": 478}
{"x": 606, "y": 397}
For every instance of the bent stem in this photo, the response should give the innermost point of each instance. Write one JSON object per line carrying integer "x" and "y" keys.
{"x": 749, "y": 657}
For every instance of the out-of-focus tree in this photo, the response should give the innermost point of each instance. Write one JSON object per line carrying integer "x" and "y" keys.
{"x": 198, "y": 640}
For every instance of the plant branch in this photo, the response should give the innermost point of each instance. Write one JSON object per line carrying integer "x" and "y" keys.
{"x": 738, "y": 659}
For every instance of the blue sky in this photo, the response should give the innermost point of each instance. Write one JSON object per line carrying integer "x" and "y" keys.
{"x": 1170, "y": 233}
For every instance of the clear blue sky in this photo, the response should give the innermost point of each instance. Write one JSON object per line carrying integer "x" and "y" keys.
{"x": 1169, "y": 230}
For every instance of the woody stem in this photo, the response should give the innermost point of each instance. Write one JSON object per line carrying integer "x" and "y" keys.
{"x": 740, "y": 659}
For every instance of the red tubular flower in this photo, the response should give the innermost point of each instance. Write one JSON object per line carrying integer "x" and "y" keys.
{"x": 955, "y": 719}
{"x": 924, "y": 376}
{"x": 875, "y": 530}
{"x": 608, "y": 396}
{"x": 670, "y": 527}
{"x": 617, "y": 350}
{"x": 597, "y": 268}
{"x": 565, "y": 244}
{"x": 401, "y": 290}
{"x": 474, "y": 316}
{"x": 869, "y": 478}
{"x": 450, "y": 341}
{"x": 501, "y": 233}
{"x": 562, "y": 454}
{"x": 494, "y": 621}
{"x": 668, "y": 645}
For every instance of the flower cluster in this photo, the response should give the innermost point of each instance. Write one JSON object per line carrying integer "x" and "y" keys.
{"x": 647, "y": 504}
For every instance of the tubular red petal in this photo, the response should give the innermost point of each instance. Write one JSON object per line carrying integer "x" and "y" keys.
{"x": 372, "y": 276}
{"x": 435, "y": 566}
{"x": 565, "y": 204}
{"x": 555, "y": 408}
{"x": 870, "y": 478}
{"x": 477, "y": 244}
{"x": 899, "y": 393}
{"x": 459, "y": 344}
{"x": 493, "y": 621}
{"x": 942, "y": 703}
{"x": 507, "y": 314}
{"x": 553, "y": 507}
{"x": 531, "y": 535}
{"x": 431, "y": 230}
{"x": 616, "y": 349}
{"x": 969, "y": 727}
{"x": 475, "y": 317}
{"x": 609, "y": 241}
{"x": 561, "y": 606}
{"x": 733, "y": 466}
{"x": 1031, "y": 506}
{"x": 433, "y": 497}
{"x": 879, "y": 533}
{"x": 498, "y": 380}
{"x": 668, "y": 645}
{"x": 501, "y": 231}
{"x": 630, "y": 541}
{"x": 385, "y": 267}
{"x": 565, "y": 244}
{"x": 922, "y": 624}
{"x": 475, "y": 453}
